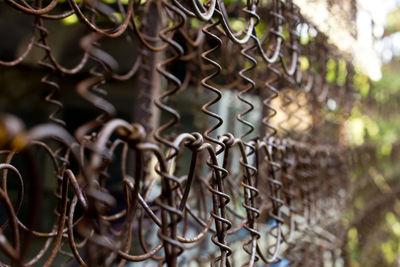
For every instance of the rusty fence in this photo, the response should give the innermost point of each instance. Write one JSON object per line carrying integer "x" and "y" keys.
{"x": 262, "y": 182}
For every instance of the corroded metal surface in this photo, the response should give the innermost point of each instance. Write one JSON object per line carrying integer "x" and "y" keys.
{"x": 190, "y": 196}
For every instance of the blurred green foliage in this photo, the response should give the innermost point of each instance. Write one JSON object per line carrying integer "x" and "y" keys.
{"x": 374, "y": 229}
{"x": 373, "y": 219}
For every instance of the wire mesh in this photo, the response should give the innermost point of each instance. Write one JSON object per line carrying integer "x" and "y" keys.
{"x": 266, "y": 191}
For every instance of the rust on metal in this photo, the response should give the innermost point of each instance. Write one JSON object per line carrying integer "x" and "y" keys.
{"x": 261, "y": 190}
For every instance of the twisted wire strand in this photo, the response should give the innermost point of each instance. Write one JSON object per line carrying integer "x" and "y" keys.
{"x": 290, "y": 72}
{"x": 276, "y": 31}
{"x": 304, "y": 174}
{"x": 89, "y": 89}
{"x": 59, "y": 193}
{"x": 251, "y": 192}
{"x": 167, "y": 203}
{"x": 170, "y": 77}
{"x": 245, "y": 52}
{"x": 273, "y": 93}
{"x": 46, "y": 63}
{"x": 206, "y": 83}
{"x": 276, "y": 176}
{"x": 292, "y": 21}
{"x": 275, "y": 185}
{"x": 289, "y": 190}
{"x": 249, "y": 176}
{"x": 220, "y": 198}
{"x": 271, "y": 148}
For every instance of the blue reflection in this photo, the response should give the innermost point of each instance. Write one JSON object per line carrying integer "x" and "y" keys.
{"x": 283, "y": 263}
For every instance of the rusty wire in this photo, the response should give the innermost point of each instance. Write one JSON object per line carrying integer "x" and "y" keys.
{"x": 289, "y": 177}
